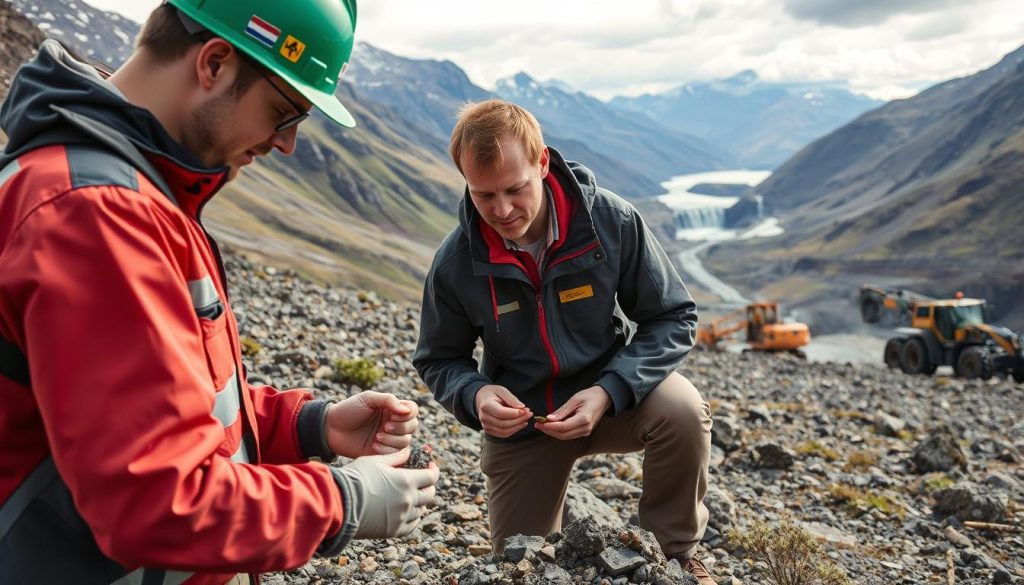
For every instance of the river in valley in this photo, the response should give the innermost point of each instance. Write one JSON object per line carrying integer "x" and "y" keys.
{"x": 701, "y": 224}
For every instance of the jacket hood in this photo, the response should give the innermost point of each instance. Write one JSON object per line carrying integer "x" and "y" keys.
{"x": 53, "y": 91}
{"x": 577, "y": 180}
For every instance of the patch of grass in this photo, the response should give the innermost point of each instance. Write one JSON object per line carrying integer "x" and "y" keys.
{"x": 788, "y": 406}
{"x": 860, "y": 461}
{"x": 250, "y": 346}
{"x": 859, "y": 502}
{"x": 851, "y": 415}
{"x": 905, "y": 436}
{"x": 818, "y": 449}
{"x": 360, "y": 371}
{"x": 791, "y": 554}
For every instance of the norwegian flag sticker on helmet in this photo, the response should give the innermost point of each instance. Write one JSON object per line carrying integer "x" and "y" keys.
{"x": 262, "y": 31}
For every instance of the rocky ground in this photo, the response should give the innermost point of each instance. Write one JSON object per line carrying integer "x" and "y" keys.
{"x": 888, "y": 471}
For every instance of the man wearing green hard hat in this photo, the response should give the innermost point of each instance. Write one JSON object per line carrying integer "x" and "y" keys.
{"x": 132, "y": 447}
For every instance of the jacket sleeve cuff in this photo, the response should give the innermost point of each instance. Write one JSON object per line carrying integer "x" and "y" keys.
{"x": 352, "y": 504}
{"x": 312, "y": 430}
{"x": 468, "y": 396}
{"x": 620, "y": 392}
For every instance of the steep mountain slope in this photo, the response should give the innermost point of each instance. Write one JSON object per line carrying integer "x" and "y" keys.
{"x": 650, "y": 147}
{"x": 20, "y": 39}
{"x": 761, "y": 124}
{"x": 365, "y": 206}
{"x": 924, "y": 192}
{"x": 97, "y": 34}
{"x": 895, "y": 147}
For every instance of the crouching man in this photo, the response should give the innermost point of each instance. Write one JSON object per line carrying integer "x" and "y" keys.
{"x": 544, "y": 268}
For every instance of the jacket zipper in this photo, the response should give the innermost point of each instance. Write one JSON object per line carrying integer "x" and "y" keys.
{"x": 536, "y": 279}
{"x": 239, "y": 367}
{"x": 550, "y": 390}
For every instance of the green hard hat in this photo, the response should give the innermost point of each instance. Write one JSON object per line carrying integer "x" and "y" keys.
{"x": 305, "y": 42}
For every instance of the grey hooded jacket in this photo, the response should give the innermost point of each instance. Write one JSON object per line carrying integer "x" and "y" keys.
{"x": 550, "y": 332}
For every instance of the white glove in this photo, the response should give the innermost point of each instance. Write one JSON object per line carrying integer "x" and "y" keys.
{"x": 387, "y": 499}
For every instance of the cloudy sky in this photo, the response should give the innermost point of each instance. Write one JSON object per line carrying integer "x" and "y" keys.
{"x": 883, "y": 48}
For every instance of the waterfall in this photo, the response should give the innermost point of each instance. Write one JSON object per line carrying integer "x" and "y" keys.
{"x": 700, "y": 217}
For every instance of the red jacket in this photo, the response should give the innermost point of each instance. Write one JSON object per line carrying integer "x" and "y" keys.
{"x": 116, "y": 294}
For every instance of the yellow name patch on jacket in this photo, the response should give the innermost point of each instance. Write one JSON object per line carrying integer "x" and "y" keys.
{"x": 575, "y": 294}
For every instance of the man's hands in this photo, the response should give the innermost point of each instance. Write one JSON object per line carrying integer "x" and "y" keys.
{"x": 501, "y": 414}
{"x": 577, "y": 417}
{"x": 370, "y": 423}
{"x": 391, "y": 498}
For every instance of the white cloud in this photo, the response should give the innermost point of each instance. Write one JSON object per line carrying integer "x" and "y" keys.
{"x": 881, "y": 48}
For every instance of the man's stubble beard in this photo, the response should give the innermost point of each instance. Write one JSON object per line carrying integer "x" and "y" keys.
{"x": 207, "y": 121}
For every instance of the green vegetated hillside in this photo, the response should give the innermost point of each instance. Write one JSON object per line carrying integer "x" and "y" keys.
{"x": 926, "y": 192}
{"x": 364, "y": 206}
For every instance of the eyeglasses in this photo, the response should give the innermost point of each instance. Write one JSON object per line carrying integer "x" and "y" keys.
{"x": 300, "y": 112}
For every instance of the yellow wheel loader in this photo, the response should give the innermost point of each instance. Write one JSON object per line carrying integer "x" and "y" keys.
{"x": 942, "y": 332}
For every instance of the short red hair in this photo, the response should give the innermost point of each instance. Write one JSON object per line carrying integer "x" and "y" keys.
{"x": 483, "y": 125}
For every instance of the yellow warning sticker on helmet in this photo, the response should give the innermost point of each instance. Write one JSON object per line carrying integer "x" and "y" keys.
{"x": 292, "y": 49}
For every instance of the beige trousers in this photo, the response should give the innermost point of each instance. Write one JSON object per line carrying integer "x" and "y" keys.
{"x": 527, "y": 480}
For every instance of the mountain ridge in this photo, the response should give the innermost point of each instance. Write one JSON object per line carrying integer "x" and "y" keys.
{"x": 761, "y": 124}
{"x": 923, "y": 193}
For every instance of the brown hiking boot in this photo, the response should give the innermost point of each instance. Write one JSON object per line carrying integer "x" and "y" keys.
{"x": 698, "y": 570}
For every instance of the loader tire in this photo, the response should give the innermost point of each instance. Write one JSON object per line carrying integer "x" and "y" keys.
{"x": 974, "y": 362}
{"x": 891, "y": 355}
{"x": 914, "y": 357}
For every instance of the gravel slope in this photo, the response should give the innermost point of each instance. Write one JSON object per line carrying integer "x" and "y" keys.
{"x": 883, "y": 468}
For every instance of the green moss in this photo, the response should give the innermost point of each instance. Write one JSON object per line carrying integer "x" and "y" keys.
{"x": 936, "y": 482}
{"x": 360, "y": 371}
{"x": 858, "y": 502}
{"x": 250, "y": 346}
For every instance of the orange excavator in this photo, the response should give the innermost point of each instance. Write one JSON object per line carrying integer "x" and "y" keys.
{"x": 763, "y": 328}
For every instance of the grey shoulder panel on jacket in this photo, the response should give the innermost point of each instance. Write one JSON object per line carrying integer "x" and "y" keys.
{"x": 605, "y": 199}
{"x": 455, "y": 243}
{"x": 95, "y": 167}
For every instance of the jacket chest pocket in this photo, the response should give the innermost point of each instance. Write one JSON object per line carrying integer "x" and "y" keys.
{"x": 583, "y": 307}
{"x": 213, "y": 319}
{"x": 220, "y": 356}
